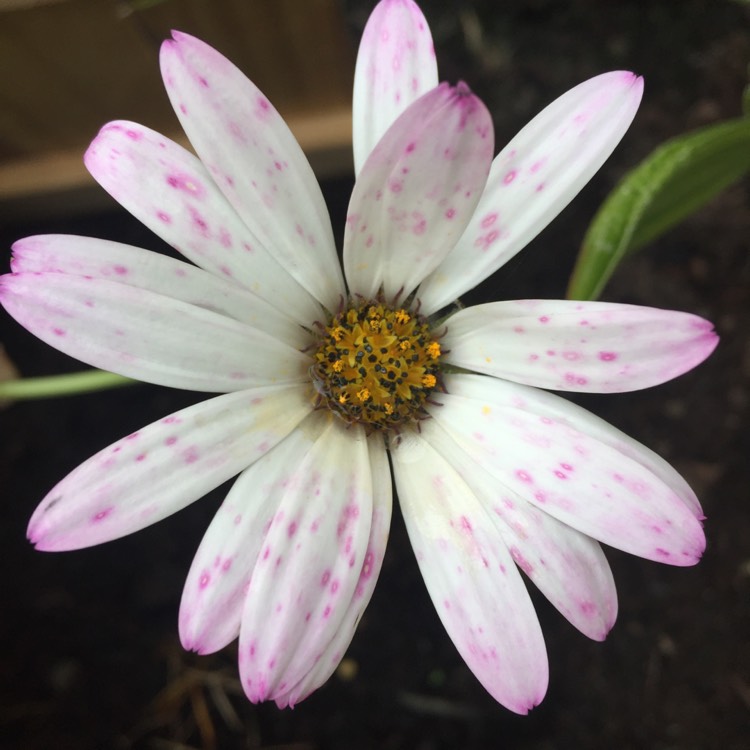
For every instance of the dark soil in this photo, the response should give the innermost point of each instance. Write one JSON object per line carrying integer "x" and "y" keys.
{"x": 91, "y": 654}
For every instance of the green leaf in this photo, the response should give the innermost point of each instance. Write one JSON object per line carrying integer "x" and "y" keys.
{"x": 674, "y": 181}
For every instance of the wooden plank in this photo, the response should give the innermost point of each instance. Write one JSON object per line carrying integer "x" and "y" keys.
{"x": 68, "y": 67}
{"x": 55, "y": 182}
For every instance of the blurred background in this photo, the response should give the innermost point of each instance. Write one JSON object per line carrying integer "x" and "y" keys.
{"x": 91, "y": 656}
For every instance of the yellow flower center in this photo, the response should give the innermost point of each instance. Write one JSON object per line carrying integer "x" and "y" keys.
{"x": 376, "y": 365}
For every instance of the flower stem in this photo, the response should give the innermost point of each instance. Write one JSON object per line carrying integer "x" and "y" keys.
{"x": 61, "y": 385}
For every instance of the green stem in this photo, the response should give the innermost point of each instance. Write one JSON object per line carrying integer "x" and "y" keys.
{"x": 61, "y": 385}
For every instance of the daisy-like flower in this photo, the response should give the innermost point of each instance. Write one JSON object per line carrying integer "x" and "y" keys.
{"x": 323, "y": 374}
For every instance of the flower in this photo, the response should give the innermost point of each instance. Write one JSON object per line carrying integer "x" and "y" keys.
{"x": 324, "y": 373}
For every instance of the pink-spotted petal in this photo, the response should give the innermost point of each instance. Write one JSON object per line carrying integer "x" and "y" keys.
{"x": 550, "y": 406}
{"x": 90, "y": 257}
{"x": 594, "y": 347}
{"x": 255, "y": 161}
{"x": 164, "y": 467}
{"x": 217, "y": 584}
{"x": 565, "y": 469}
{"x": 568, "y": 567}
{"x": 146, "y": 335}
{"x": 416, "y": 192}
{"x": 373, "y": 560}
{"x": 311, "y": 559}
{"x": 168, "y": 189}
{"x": 395, "y": 66}
{"x": 534, "y": 177}
{"x": 471, "y": 577}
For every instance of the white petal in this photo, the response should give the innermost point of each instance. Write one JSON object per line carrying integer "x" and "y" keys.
{"x": 534, "y": 177}
{"x": 595, "y": 347}
{"x": 416, "y": 192}
{"x": 548, "y": 405}
{"x": 168, "y": 189}
{"x": 160, "y": 469}
{"x": 564, "y": 468}
{"x": 470, "y": 576}
{"x": 309, "y": 567}
{"x": 217, "y": 584}
{"x": 568, "y": 567}
{"x": 255, "y": 161}
{"x": 373, "y": 560}
{"x": 87, "y": 256}
{"x": 395, "y": 65}
{"x": 147, "y": 336}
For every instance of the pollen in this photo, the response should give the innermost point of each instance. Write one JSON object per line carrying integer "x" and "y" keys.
{"x": 377, "y": 366}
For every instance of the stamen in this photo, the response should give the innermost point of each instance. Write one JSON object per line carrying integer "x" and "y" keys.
{"x": 376, "y": 365}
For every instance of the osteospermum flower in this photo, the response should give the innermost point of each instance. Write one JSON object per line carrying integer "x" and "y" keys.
{"x": 325, "y": 374}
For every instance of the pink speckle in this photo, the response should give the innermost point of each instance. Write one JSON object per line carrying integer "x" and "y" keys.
{"x": 573, "y": 379}
{"x": 186, "y": 183}
{"x": 587, "y": 608}
{"x": 560, "y": 474}
{"x": 395, "y": 186}
{"x": 120, "y": 270}
{"x": 205, "y": 579}
{"x": 171, "y": 440}
{"x": 544, "y": 319}
{"x": 510, "y": 177}
{"x": 450, "y": 213}
{"x": 571, "y": 356}
{"x": 489, "y": 220}
{"x": 263, "y": 110}
{"x": 367, "y": 566}
{"x": 536, "y": 166}
{"x": 521, "y": 561}
{"x": 334, "y": 587}
{"x": 140, "y": 457}
{"x": 524, "y": 476}
{"x": 410, "y": 147}
{"x": 325, "y": 578}
{"x": 102, "y": 514}
{"x": 171, "y": 420}
{"x": 327, "y": 611}
{"x": 237, "y": 519}
{"x": 486, "y": 241}
{"x": 225, "y": 238}
{"x": 190, "y": 456}
{"x": 662, "y": 552}
{"x": 567, "y": 467}
{"x": 198, "y": 221}
{"x": 292, "y": 529}
{"x": 59, "y": 332}
{"x": 607, "y": 356}
{"x": 134, "y": 135}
